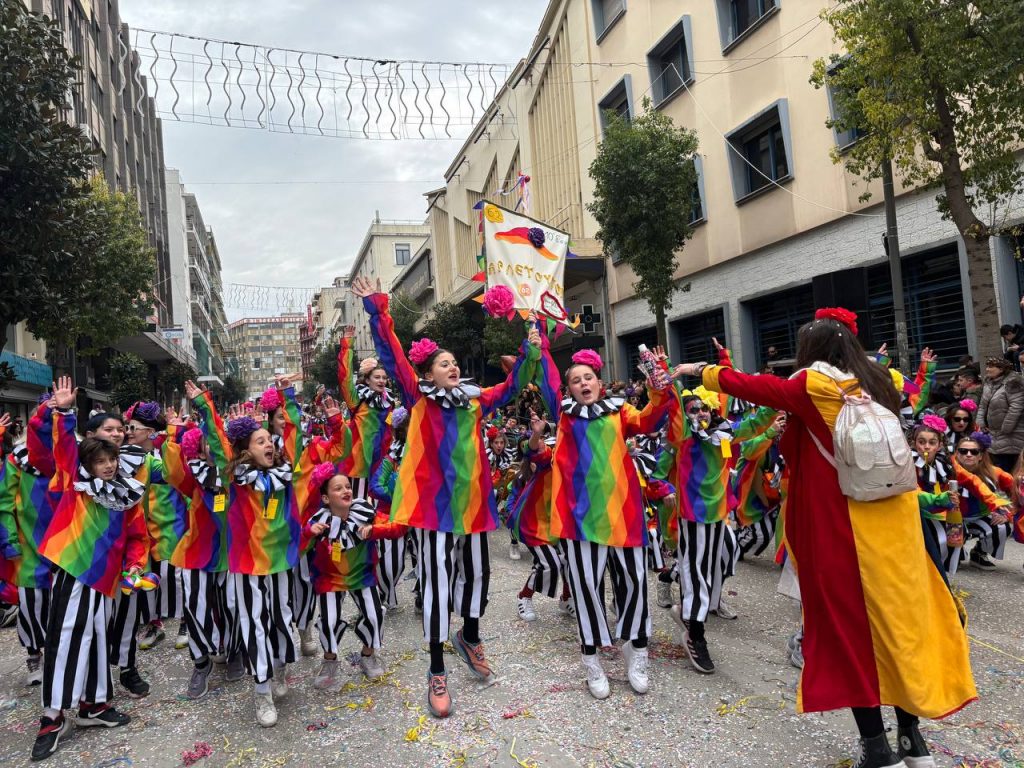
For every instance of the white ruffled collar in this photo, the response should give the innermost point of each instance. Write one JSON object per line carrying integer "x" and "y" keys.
{"x": 379, "y": 401}
{"x": 460, "y": 396}
{"x": 205, "y": 474}
{"x": 117, "y": 494}
{"x": 273, "y": 479}
{"x": 603, "y": 407}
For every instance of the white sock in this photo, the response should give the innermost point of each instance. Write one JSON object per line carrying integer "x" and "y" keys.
{"x": 263, "y": 688}
{"x": 51, "y": 713}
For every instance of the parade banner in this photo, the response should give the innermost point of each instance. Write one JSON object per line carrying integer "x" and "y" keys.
{"x": 527, "y": 257}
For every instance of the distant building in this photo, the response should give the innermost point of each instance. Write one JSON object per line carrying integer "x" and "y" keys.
{"x": 265, "y": 347}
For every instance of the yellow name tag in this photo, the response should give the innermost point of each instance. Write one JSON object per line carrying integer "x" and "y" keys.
{"x": 271, "y": 511}
{"x": 220, "y": 502}
{"x": 726, "y": 448}
{"x": 336, "y": 551}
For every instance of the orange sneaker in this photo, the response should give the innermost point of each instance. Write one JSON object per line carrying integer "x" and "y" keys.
{"x": 439, "y": 702}
{"x": 474, "y": 657}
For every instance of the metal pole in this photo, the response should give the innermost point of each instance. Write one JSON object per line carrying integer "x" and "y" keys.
{"x": 892, "y": 239}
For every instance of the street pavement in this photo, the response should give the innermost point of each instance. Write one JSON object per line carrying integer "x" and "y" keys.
{"x": 539, "y": 712}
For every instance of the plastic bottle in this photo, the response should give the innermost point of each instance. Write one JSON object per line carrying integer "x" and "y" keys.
{"x": 649, "y": 365}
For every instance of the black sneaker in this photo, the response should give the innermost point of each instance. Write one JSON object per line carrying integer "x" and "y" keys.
{"x": 418, "y": 600}
{"x": 697, "y": 650}
{"x": 876, "y": 753}
{"x": 981, "y": 560}
{"x": 101, "y": 715}
{"x": 133, "y": 683}
{"x": 912, "y": 749}
{"x": 51, "y": 732}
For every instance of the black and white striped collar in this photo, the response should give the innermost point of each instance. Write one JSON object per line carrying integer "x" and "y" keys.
{"x": 131, "y": 459}
{"x": 397, "y": 450}
{"x": 460, "y": 396}
{"x": 346, "y": 532}
{"x": 273, "y": 479}
{"x": 205, "y": 474}
{"x": 939, "y": 471}
{"x": 20, "y": 454}
{"x": 603, "y": 407}
{"x": 712, "y": 434}
{"x": 117, "y": 494}
{"x": 379, "y": 401}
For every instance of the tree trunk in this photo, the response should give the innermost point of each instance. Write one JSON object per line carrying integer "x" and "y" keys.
{"x": 661, "y": 327}
{"x": 983, "y": 297}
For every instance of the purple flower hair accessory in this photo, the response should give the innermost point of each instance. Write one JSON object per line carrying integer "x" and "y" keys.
{"x": 241, "y": 428}
{"x": 984, "y": 439}
{"x": 44, "y": 397}
{"x": 536, "y": 236}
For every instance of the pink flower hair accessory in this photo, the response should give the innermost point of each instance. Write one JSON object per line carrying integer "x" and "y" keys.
{"x": 499, "y": 301}
{"x": 322, "y": 473}
{"x": 270, "y": 400}
{"x": 968, "y": 405}
{"x": 421, "y": 350}
{"x": 589, "y": 357}
{"x": 192, "y": 443}
{"x": 935, "y": 423}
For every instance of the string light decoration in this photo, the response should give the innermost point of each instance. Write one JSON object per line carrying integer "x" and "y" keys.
{"x": 243, "y": 85}
{"x": 267, "y": 298}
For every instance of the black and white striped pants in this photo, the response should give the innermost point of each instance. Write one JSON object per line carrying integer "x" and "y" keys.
{"x": 991, "y": 538}
{"x": 302, "y": 596}
{"x": 585, "y": 564}
{"x": 369, "y": 626}
{"x": 124, "y": 623}
{"x": 33, "y": 608}
{"x": 755, "y": 538}
{"x": 261, "y": 604}
{"x": 455, "y": 574}
{"x": 390, "y": 567}
{"x": 361, "y": 489}
{"x": 547, "y": 565}
{"x": 706, "y": 557}
{"x": 656, "y": 550}
{"x": 949, "y": 556}
{"x": 164, "y": 602}
{"x": 75, "y": 664}
{"x": 205, "y": 607}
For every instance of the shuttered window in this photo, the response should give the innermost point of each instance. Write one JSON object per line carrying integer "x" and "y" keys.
{"x": 693, "y": 336}
{"x": 935, "y": 306}
{"x": 777, "y": 320}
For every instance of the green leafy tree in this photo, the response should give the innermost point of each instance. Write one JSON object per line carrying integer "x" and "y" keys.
{"x": 43, "y": 160}
{"x": 129, "y": 379}
{"x": 233, "y": 390}
{"x": 937, "y": 87}
{"x": 173, "y": 377}
{"x": 405, "y": 312}
{"x": 324, "y": 371}
{"x": 502, "y": 338}
{"x": 453, "y": 329}
{"x": 112, "y": 268}
{"x": 644, "y": 181}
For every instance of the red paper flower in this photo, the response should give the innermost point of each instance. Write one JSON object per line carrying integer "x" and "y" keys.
{"x": 499, "y": 301}
{"x": 840, "y": 315}
{"x": 968, "y": 405}
{"x": 589, "y": 357}
{"x": 421, "y": 350}
{"x": 271, "y": 400}
{"x": 935, "y": 423}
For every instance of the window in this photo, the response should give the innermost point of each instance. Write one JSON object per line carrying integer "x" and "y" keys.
{"x": 693, "y": 335}
{"x": 776, "y": 320}
{"x": 606, "y": 13}
{"x": 845, "y": 137}
{"x": 759, "y": 151}
{"x": 670, "y": 63}
{"x": 736, "y": 18}
{"x": 619, "y": 100}
{"x": 403, "y": 254}
{"x": 697, "y": 207}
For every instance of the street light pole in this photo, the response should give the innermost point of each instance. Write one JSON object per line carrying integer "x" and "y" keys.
{"x": 892, "y": 249}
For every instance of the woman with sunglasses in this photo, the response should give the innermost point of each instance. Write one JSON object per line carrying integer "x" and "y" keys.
{"x": 985, "y": 499}
{"x": 880, "y": 624}
{"x": 960, "y": 419}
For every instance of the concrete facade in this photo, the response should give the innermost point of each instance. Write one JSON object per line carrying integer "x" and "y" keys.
{"x": 266, "y": 346}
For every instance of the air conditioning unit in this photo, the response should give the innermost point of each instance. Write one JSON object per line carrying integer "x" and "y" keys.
{"x": 85, "y": 130}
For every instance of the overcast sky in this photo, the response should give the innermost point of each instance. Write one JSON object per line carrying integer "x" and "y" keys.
{"x": 307, "y": 234}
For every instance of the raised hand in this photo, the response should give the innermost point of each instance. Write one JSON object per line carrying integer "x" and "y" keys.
{"x": 537, "y": 424}
{"x": 5, "y": 420}
{"x": 284, "y": 380}
{"x": 64, "y": 393}
{"x": 718, "y": 346}
{"x": 171, "y": 416}
{"x": 779, "y": 425}
{"x": 348, "y": 332}
{"x": 534, "y": 336}
{"x": 362, "y": 287}
{"x": 884, "y": 349}
{"x": 660, "y": 354}
{"x": 331, "y": 407}
{"x": 927, "y": 356}
{"x": 191, "y": 390}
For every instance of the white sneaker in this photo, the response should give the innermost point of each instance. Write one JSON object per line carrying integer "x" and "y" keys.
{"x": 637, "y": 664}
{"x": 513, "y": 551}
{"x": 664, "y": 594}
{"x": 568, "y": 607}
{"x": 597, "y": 681}
{"x": 327, "y": 676}
{"x": 308, "y": 640}
{"x": 372, "y": 666}
{"x": 526, "y": 611}
{"x": 266, "y": 712}
{"x": 279, "y": 682}
{"x": 35, "y": 670}
{"x": 724, "y": 611}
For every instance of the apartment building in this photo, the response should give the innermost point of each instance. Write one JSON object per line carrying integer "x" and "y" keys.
{"x": 779, "y": 227}
{"x": 265, "y": 347}
{"x": 386, "y": 250}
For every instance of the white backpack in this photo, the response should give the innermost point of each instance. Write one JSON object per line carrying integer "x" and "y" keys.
{"x": 872, "y": 456}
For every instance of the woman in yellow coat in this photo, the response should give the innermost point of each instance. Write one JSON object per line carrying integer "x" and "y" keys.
{"x": 881, "y": 627}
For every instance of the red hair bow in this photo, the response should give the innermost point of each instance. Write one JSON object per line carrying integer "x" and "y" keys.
{"x": 840, "y": 315}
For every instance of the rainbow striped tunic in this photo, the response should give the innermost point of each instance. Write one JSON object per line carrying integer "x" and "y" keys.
{"x": 371, "y": 430}
{"x": 23, "y": 492}
{"x": 444, "y": 482}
